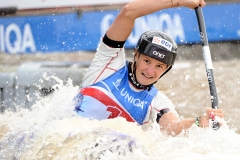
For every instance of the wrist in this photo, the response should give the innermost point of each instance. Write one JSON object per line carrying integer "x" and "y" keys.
{"x": 197, "y": 121}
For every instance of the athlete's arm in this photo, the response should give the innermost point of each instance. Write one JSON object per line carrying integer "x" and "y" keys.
{"x": 124, "y": 22}
{"x": 173, "y": 125}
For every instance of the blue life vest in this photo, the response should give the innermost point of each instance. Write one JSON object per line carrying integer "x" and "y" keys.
{"x": 113, "y": 97}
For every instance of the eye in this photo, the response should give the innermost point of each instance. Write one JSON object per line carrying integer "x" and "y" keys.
{"x": 146, "y": 61}
{"x": 159, "y": 66}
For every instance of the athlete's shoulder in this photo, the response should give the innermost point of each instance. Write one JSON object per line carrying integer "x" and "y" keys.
{"x": 153, "y": 90}
{"x": 161, "y": 95}
{"x": 162, "y": 101}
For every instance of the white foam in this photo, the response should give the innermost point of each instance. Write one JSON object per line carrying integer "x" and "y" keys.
{"x": 52, "y": 130}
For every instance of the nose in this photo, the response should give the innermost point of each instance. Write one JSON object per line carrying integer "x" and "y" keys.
{"x": 150, "y": 70}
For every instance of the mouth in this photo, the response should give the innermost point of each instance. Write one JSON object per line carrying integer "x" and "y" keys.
{"x": 148, "y": 77}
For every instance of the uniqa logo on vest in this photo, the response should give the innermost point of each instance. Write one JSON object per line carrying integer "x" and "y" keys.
{"x": 135, "y": 101}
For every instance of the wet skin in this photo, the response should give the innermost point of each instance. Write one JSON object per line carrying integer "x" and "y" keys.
{"x": 148, "y": 70}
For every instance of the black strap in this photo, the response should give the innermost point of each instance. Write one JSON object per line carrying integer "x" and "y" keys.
{"x": 132, "y": 77}
{"x": 163, "y": 111}
{"x": 112, "y": 43}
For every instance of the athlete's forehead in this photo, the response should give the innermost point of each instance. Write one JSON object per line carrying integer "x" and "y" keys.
{"x": 152, "y": 59}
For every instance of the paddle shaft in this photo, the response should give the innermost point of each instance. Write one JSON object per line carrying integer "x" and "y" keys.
{"x": 207, "y": 57}
{"x": 208, "y": 61}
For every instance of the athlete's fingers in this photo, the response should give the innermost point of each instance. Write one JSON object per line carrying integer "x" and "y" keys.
{"x": 214, "y": 112}
{"x": 194, "y": 3}
{"x": 202, "y": 3}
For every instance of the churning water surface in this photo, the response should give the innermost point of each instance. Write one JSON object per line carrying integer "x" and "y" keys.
{"x": 52, "y": 130}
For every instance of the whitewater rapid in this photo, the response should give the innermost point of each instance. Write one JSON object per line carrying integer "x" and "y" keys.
{"x": 53, "y": 130}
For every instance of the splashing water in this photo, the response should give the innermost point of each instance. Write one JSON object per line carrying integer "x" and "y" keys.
{"x": 53, "y": 130}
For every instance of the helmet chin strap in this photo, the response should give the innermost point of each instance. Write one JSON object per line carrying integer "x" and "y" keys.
{"x": 133, "y": 79}
{"x": 132, "y": 75}
{"x": 168, "y": 69}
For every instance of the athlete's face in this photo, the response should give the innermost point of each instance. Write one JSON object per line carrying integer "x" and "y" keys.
{"x": 148, "y": 70}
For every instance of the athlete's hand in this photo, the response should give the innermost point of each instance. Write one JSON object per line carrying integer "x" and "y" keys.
{"x": 211, "y": 114}
{"x": 193, "y": 3}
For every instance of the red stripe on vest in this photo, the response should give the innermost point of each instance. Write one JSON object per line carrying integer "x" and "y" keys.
{"x": 113, "y": 107}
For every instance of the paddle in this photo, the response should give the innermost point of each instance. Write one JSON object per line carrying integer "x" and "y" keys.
{"x": 208, "y": 62}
